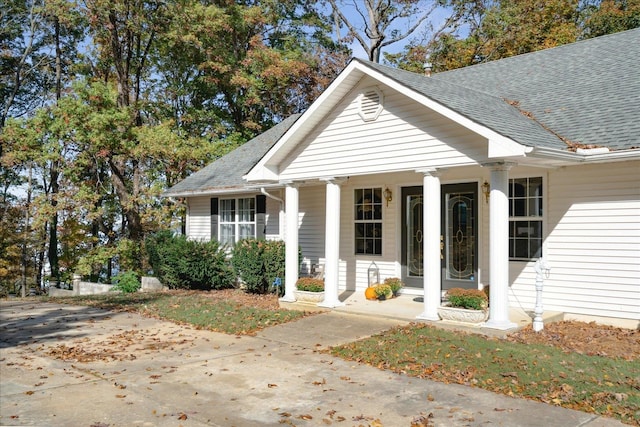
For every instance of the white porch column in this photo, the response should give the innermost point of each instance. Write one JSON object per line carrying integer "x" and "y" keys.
{"x": 332, "y": 244}
{"x": 291, "y": 244}
{"x": 431, "y": 224}
{"x": 499, "y": 248}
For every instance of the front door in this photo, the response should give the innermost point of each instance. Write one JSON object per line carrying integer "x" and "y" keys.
{"x": 460, "y": 236}
{"x": 458, "y": 243}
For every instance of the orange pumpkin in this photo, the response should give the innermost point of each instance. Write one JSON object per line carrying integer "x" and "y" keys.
{"x": 370, "y": 293}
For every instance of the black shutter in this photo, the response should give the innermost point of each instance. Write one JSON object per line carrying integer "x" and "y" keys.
{"x": 261, "y": 217}
{"x": 214, "y": 218}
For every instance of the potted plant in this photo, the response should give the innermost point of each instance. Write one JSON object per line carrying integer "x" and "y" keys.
{"x": 309, "y": 289}
{"x": 465, "y": 305}
{"x": 383, "y": 292}
{"x": 395, "y": 284}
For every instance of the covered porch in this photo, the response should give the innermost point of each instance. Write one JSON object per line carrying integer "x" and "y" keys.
{"x": 426, "y": 261}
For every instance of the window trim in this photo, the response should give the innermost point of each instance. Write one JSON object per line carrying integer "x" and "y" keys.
{"x": 528, "y": 218}
{"x": 258, "y": 211}
{"x": 357, "y": 221}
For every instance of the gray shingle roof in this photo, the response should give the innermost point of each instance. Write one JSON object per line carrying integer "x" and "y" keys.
{"x": 227, "y": 171}
{"x": 586, "y": 92}
{"x": 488, "y": 110}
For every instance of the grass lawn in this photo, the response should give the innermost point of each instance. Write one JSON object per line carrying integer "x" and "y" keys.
{"x": 603, "y": 385}
{"x": 228, "y": 311}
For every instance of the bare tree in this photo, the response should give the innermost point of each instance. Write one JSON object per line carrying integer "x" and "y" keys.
{"x": 376, "y": 24}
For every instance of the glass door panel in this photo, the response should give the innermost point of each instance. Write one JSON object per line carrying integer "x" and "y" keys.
{"x": 415, "y": 245}
{"x": 412, "y": 237}
{"x": 459, "y": 258}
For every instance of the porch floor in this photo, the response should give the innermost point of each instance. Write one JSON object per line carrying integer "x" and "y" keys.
{"x": 408, "y": 307}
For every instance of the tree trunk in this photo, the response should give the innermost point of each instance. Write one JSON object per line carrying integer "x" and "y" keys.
{"x": 53, "y": 173}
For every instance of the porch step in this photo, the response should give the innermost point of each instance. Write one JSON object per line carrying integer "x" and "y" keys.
{"x": 408, "y": 307}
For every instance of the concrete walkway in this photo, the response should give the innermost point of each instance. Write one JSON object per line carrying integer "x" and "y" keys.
{"x": 121, "y": 369}
{"x": 408, "y": 307}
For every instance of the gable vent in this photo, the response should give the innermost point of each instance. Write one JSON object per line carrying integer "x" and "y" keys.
{"x": 370, "y": 104}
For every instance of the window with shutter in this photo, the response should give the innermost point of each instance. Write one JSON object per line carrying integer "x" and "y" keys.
{"x": 238, "y": 218}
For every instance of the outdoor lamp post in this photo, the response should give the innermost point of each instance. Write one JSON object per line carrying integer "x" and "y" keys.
{"x": 542, "y": 269}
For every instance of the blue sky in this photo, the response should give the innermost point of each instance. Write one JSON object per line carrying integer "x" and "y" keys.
{"x": 437, "y": 18}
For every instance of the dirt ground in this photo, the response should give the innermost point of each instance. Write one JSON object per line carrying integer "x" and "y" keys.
{"x": 267, "y": 302}
{"x": 585, "y": 338}
{"x": 571, "y": 336}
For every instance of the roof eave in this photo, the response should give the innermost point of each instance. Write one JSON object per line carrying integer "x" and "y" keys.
{"x": 585, "y": 156}
{"x": 208, "y": 192}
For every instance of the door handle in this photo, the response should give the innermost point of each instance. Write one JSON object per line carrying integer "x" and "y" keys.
{"x": 441, "y": 246}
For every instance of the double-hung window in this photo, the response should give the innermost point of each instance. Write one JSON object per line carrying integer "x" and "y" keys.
{"x": 368, "y": 221}
{"x": 235, "y": 219}
{"x": 525, "y": 218}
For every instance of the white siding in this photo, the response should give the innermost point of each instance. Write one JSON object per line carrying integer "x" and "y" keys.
{"x": 312, "y": 224}
{"x": 592, "y": 243}
{"x": 355, "y": 273}
{"x": 273, "y": 217}
{"x": 345, "y": 145}
{"x": 199, "y": 218}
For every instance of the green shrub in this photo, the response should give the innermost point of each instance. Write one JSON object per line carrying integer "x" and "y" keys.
{"x": 189, "y": 264}
{"x": 274, "y": 262}
{"x": 155, "y": 245}
{"x": 126, "y": 282}
{"x": 248, "y": 265}
{"x": 257, "y": 262}
{"x": 310, "y": 284}
{"x": 474, "y": 299}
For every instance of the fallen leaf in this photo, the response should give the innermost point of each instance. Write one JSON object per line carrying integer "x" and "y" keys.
{"x": 422, "y": 421}
{"x": 510, "y": 374}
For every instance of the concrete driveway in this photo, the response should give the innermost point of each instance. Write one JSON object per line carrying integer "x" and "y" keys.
{"x": 64, "y": 365}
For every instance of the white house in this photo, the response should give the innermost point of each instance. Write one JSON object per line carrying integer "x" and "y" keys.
{"x": 459, "y": 179}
